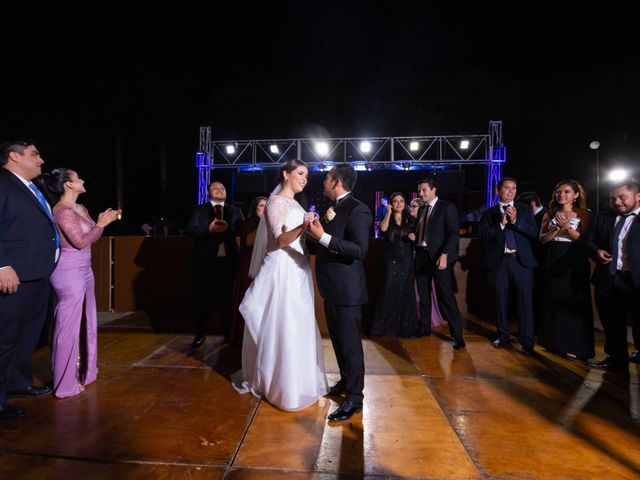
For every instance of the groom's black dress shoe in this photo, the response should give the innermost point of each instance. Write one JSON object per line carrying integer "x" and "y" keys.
{"x": 335, "y": 391}
{"x": 198, "y": 342}
{"x": 347, "y": 410}
{"x": 8, "y": 411}
{"x": 31, "y": 391}
{"x": 459, "y": 344}
{"x": 635, "y": 357}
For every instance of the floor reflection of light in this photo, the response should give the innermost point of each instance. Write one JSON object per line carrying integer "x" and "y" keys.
{"x": 445, "y": 357}
{"x": 581, "y": 397}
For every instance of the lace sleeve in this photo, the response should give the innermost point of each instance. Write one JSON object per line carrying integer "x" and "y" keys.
{"x": 69, "y": 224}
{"x": 276, "y": 213}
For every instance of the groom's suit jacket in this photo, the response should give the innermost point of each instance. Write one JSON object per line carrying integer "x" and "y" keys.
{"x": 339, "y": 268}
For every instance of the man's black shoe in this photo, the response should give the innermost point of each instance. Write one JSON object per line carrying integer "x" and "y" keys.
{"x": 347, "y": 410}
{"x": 497, "y": 343}
{"x": 459, "y": 344}
{"x": 528, "y": 351}
{"x": 610, "y": 363}
{"x": 31, "y": 391}
{"x": 336, "y": 391}
{"x": 420, "y": 334}
{"x": 635, "y": 357}
{"x": 8, "y": 411}
{"x": 198, "y": 342}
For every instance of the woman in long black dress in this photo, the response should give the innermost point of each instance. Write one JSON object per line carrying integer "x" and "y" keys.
{"x": 241, "y": 280}
{"x": 567, "y": 317}
{"x": 395, "y": 309}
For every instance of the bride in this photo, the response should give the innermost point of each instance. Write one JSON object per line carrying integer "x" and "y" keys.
{"x": 282, "y": 357}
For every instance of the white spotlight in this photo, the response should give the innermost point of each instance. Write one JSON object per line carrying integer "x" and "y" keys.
{"x": 231, "y": 149}
{"x": 413, "y": 146}
{"x": 274, "y": 149}
{"x": 618, "y": 175}
{"x": 365, "y": 147}
{"x": 322, "y": 148}
{"x": 464, "y": 144}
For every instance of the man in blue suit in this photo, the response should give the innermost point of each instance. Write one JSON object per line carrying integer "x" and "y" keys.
{"x": 507, "y": 230}
{"x": 29, "y": 245}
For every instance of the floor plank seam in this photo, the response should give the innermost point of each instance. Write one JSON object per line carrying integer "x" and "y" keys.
{"x": 467, "y": 447}
{"x": 229, "y": 466}
{"x": 159, "y": 349}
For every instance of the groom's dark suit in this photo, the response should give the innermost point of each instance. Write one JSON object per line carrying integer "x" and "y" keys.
{"x": 342, "y": 284}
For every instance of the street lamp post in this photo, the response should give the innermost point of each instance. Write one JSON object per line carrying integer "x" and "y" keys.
{"x": 595, "y": 145}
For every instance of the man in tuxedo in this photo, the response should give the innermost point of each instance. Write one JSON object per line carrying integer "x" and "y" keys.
{"x": 532, "y": 200}
{"x": 29, "y": 245}
{"x": 343, "y": 241}
{"x": 614, "y": 244}
{"x": 437, "y": 238}
{"x": 507, "y": 230}
{"x": 214, "y": 225}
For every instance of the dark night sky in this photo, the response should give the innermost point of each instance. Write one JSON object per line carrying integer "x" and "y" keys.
{"x": 555, "y": 83}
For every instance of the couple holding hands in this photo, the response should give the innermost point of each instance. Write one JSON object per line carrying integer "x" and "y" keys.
{"x": 282, "y": 357}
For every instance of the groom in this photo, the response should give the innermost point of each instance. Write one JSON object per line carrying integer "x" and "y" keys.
{"x": 343, "y": 237}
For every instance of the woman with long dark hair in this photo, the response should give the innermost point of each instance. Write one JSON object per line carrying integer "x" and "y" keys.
{"x": 395, "y": 309}
{"x": 73, "y": 356}
{"x": 282, "y": 357}
{"x": 567, "y": 316}
{"x": 242, "y": 279}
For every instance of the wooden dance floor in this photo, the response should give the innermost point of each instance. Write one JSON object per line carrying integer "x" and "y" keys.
{"x": 160, "y": 412}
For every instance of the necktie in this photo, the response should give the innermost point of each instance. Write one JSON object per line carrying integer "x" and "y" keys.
{"x": 45, "y": 207}
{"x": 422, "y": 234}
{"x": 615, "y": 238}
{"x": 509, "y": 237}
{"x": 217, "y": 212}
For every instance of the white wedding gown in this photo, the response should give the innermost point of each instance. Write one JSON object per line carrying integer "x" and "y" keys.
{"x": 282, "y": 357}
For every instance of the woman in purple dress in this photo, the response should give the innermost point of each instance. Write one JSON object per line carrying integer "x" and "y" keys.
{"x": 74, "y": 345}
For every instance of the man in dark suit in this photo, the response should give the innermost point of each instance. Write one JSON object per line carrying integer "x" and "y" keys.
{"x": 437, "y": 238}
{"x": 214, "y": 226}
{"x": 29, "y": 244}
{"x": 343, "y": 241}
{"x": 532, "y": 200}
{"x": 507, "y": 230}
{"x": 614, "y": 244}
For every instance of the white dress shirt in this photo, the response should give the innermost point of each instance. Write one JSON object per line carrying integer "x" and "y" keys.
{"x": 326, "y": 238}
{"x": 623, "y": 247}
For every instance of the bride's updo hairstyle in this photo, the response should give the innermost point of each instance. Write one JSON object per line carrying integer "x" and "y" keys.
{"x": 288, "y": 166}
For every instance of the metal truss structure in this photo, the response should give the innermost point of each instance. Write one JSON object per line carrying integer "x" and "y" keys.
{"x": 365, "y": 153}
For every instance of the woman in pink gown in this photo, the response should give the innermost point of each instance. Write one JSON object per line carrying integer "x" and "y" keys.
{"x": 74, "y": 345}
